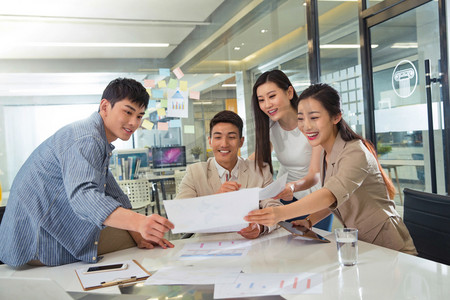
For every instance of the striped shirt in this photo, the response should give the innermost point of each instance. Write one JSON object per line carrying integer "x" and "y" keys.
{"x": 60, "y": 198}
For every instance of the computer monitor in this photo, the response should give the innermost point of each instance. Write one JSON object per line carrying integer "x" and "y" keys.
{"x": 169, "y": 157}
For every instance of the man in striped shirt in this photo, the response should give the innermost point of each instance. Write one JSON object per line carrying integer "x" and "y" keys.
{"x": 64, "y": 196}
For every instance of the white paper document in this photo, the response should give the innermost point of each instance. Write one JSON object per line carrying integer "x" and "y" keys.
{"x": 274, "y": 188}
{"x": 252, "y": 285}
{"x": 212, "y": 212}
{"x": 204, "y": 250}
{"x": 223, "y": 212}
{"x": 193, "y": 275}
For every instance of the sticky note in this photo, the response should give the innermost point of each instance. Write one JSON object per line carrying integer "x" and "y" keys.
{"x": 178, "y": 73}
{"x": 162, "y": 84}
{"x": 157, "y": 93}
{"x": 147, "y": 124}
{"x": 194, "y": 95}
{"x": 175, "y": 123}
{"x": 149, "y": 83}
{"x": 164, "y": 103}
{"x": 152, "y": 104}
{"x": 163, "y": 126}
{"x": 164, "y": 72}
{"x": 183, "y": 85}
{"x": 161, "y": 112}
{"x": 172, "y": 83}
{"x": 149, "y": 91}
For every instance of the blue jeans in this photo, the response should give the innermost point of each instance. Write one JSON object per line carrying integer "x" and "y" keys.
{"x": 325, "y": 224}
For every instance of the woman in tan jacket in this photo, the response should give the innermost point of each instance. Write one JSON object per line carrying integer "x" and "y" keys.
{"x": 355, "y": 188}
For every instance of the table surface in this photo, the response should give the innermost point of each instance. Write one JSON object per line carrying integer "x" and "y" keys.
{"x": 381, "y": 273}
{"x": 401, "y": 162}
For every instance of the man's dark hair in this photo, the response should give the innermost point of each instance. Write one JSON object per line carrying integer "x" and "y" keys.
{"x": 126, "y": 88}
{"x": 226, "y": 116}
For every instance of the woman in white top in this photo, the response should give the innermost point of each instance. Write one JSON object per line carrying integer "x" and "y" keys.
{"x": 276, "y": 129}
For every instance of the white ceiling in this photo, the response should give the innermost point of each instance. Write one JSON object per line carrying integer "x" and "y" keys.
{"x": 31, "y": 67}
{"x": 24, "y": 23}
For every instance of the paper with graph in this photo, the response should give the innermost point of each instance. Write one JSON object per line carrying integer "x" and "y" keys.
{"x": 223, "y": 212}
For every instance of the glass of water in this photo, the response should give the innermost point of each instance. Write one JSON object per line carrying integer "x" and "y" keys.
{"x": 347, "y": 245}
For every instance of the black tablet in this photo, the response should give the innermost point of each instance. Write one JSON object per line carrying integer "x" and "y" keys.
{"x": 303, "y": 232}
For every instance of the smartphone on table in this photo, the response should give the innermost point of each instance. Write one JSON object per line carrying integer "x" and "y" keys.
{"x": 106, "y": 268}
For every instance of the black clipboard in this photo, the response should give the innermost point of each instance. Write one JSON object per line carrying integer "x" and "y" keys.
{"x": 303, "y": 232}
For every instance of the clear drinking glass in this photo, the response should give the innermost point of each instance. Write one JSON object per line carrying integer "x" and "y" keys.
{"x": 347, "y": 245}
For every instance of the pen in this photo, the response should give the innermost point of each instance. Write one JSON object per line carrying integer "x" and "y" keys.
{"x": 119, "y": 281}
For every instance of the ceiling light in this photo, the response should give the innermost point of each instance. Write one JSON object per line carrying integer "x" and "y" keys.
{"x": 229, "y": 85}
{"x": 264, "y": 30}
{"x": 404, "y": 45}
{"x": 343, "y": 46}
{"x": 106, "y": 45}
{"x": 237, "y": 48}
{"x": 339, "y": 46}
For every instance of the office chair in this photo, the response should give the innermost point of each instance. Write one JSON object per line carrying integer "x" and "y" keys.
{"x": 427, "y": 217}
{"x": 139, "y": 193}
{"x": 2, "y": 212}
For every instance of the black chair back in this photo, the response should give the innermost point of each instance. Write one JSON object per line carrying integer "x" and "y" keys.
{"x": 2, "y": 212}
{"x": 427, "y": 217}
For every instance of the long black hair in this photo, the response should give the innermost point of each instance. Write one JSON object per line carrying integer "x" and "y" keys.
{"x": 330, "y": 100}
{"x": 262, "y": 124}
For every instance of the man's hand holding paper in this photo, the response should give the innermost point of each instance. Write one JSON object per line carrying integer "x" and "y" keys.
{"x": 223, "y": 212}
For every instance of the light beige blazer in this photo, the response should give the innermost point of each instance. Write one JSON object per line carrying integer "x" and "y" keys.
{"x": 353, "y": 176}
{"x": 202, "y": 179}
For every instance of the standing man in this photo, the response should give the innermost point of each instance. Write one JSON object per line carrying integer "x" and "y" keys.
{"x": 64, "y": 195}
{"x": 226, "y": 171}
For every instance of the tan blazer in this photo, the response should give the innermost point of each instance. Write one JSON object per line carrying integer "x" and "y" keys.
{"x": 202, "y": 179}
{"x": 353, "y": 176}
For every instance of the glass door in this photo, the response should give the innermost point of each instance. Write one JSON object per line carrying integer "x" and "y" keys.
{"x": 410, "y": 152}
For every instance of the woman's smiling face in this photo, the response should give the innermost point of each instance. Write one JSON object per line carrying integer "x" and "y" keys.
{"x": 274, "y": 101}
{"x": 316, "y": 124}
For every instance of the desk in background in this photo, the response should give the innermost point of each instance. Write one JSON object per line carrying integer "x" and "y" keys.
{"x": 389, "y": 164}
{"x": 381, "y": 273}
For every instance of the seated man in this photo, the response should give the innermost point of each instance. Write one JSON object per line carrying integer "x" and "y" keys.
{"x": 64, "y": 195}
{"x": 226, "y": 172}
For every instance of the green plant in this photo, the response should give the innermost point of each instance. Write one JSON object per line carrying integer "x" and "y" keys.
{"x": 196, "y": 150}
{"x": 383, "y": 149}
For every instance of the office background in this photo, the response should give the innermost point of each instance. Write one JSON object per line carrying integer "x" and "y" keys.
{"x": 57, "y": 59}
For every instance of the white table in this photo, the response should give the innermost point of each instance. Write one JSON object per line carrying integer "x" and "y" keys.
{"x": 380, "y": 273}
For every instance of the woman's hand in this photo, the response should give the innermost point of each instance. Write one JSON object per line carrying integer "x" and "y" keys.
{"x": 268, "y": 216}
{"x": 288, "y": 192}
{"x": 302, "y": 222}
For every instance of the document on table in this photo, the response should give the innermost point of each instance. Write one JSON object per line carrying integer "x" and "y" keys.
{"x": 204, "y": 250}
{"x": 223, "y": 212}
{"x": 253, "y": 285}
{"x": 194, "y": 275}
